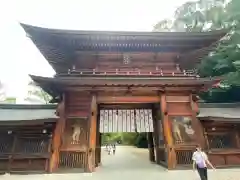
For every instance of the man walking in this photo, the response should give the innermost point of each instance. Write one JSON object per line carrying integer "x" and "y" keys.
{"x": 114, "y": 148}
{"x": 200, "y": 161}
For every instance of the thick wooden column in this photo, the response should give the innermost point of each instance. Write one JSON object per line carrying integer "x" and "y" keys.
{"x": 156, "y": 135}
{"x": 92, "y": 135}
{"x": 237, "y": 139}
{"x": 171, "y": 156}
{"x": 196, "y": 124}
{"x": 100, "y": 150}
{"x": 151, "y": 146}
{"x": 98, "y": 146}
{"x": 57, "y": 137}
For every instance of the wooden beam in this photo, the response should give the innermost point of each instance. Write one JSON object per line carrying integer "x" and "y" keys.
{"x": 196, "y": 124}
{"x": 100, "y": 149}
{"x": 92, "y": 135}
{"x": 237, "y": 139}
{"x": 127, "y": 99}
{"x": 151, "y": 147}
{"x": 98, "y": 146}
{"x": 114, "y": 89}
{"x": 171, "y": 156}
{"x": 57, "y": 137}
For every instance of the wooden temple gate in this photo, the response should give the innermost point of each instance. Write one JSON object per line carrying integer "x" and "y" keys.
{"x": 170, "y": 122}
{"x": 112, "y": 68}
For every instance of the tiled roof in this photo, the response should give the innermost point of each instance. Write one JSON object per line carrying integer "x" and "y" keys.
{"x": 18, "y": 112}
{"x": 59, "y": 46}
{"x": 219, "y": 110}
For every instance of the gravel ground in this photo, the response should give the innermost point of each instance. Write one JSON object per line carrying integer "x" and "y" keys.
{"x": 133, "y": 163}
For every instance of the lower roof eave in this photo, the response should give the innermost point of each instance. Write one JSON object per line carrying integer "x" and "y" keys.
{"x": 56, "y": 86}
{"x": 110, "y": 81}
{"x": 28, "y": 122}
{"x": 220, "y": 119}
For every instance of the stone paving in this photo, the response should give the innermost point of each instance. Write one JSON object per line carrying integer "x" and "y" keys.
{"x": 130, "y": 163}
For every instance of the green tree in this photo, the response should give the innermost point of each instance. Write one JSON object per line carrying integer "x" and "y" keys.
{"x": 37, "y": 94}
{"x": 2, "y": 92}
{"x": 124, "y": 138}
{"x": 196, "y": 16}
{"x": 206, "y": 15}
{"x": 10, "y": 100}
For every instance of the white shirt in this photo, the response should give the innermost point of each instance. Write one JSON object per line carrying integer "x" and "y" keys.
{"x": 199, "y": 156}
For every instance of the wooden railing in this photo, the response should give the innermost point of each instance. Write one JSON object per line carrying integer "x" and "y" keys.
{"x": 24, "y": 153}
{"x": 70, "y": 159}
{"x": 184, "y": 157}
{"x": 221, "y": 141}
{"x": 131, "y": 72}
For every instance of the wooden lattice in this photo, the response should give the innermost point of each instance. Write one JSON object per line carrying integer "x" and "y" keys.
{"x": 184, "y": 157}
{"x": 72, "y": 159}
{"x": 6, "y": 142}
{"x": 221, "y": 141}
{"x": 29, "y": 145}
{"x": 23, "y": 151}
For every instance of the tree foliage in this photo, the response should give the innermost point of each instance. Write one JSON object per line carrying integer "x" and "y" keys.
{"x": 123, "y": 138}
{"x": 2, "y": 92}
{"x": 136, "y": 139}
{"x": 37, "y": 94}
{"x": 207, "y": 15}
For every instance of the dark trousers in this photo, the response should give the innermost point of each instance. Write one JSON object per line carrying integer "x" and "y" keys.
{"x": 202, "y": 173}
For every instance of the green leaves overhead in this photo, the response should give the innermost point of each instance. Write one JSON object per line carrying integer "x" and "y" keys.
{"x": 207, "y": 15}
{"x": 36, "y": 93}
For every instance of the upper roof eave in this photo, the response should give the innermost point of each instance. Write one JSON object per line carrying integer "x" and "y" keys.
{"x": 59, "y": 46}
{"x": 30, "y": 28}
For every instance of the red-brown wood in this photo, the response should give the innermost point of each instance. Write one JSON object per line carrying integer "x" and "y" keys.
{"x": 127, "y": 99}
{"x": 167, "y": 133}
{"x": 57, "y": 137}
{"x": 92, "y": 134}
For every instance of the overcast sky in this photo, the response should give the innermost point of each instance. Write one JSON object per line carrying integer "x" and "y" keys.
{"x": 18, "y": 55}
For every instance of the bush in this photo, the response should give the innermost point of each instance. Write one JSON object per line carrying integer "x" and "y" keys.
{"x": 141, "y": 141}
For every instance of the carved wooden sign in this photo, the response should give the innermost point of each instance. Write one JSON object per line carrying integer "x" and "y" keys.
{"x": 76, "y": 132}
{"x": 182, "y": 129}
{"x": 75, "y": 135}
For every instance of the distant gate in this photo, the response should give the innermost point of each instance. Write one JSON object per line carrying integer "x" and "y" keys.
{"x": 126, "y": 120}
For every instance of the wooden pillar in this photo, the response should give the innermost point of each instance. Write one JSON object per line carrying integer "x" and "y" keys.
{"x": 100, "y": 150}
{"x": 196, "y": 124}
{"x": 171, "y": 156}
{"x": 57, "y": 137}
{"x": 237, "y": 139}
{"x": 97, "y": 149}
{"x": 98, "y": 144}
{"x": 92, "y": 135}
{"x": 151, "y": 146}
{"x": 157, "y": 131}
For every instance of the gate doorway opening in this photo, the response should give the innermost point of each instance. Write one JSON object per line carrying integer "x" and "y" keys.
{"x": 134, "y": 130}
{"x": 126, "y": 157}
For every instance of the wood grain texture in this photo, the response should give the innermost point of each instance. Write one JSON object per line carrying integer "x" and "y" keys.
{"x": 57, "y": 137}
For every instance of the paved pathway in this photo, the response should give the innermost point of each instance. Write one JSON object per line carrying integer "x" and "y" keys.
{"x": 131, "y": 164}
